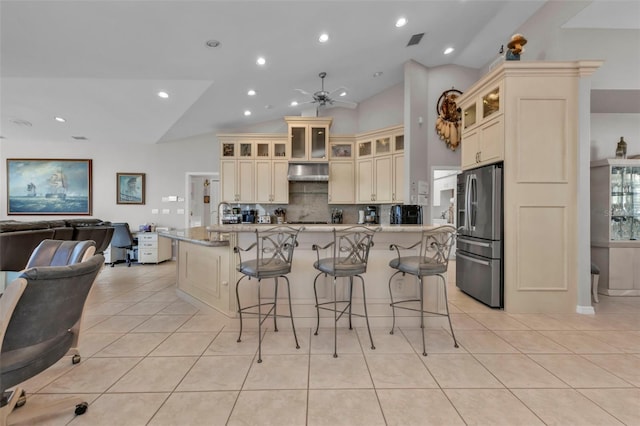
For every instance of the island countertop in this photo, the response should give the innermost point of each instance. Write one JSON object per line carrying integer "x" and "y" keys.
{"x": 322, "y": 227}
{"x": 198, "y": 235}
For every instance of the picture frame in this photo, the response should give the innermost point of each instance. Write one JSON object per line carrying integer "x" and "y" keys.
{"x": 130, "y": 188}
{"x": 49, "y": 186}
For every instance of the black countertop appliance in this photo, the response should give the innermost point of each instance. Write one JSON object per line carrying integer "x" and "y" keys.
{"x": 402, "y": 214}
{"x": 248, "y": 216}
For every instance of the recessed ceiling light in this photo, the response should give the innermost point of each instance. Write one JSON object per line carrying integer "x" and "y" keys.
{"x": 448, "y": 50}
{"x": 60, "y": 119}
{"x": 324, "y": 37}
{"x": 377, "y": 73}
{"x": 293, "y": 103}
{"x": 251, "y": 92}
{"x": 343, "y": 93}
{"x": 401, "y": 22}
{"x": 163, "y": 95}
{"x": 261, "y": 61}
{"x": 212, "y": 43}
{"x": 247, "y": 113}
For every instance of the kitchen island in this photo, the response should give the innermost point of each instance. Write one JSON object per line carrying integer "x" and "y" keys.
{"x": 207, "y": 272}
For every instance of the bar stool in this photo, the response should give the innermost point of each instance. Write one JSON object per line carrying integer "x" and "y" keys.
{"x": 350, "y": 253}
{"x": 432, "y": 259}
{"x": 274, "y": 254}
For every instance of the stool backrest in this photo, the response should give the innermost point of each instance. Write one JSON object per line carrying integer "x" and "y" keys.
{"x": 436, "y": 244}
{"x": 274, "y": 246}
{"x": 351, "y": 245}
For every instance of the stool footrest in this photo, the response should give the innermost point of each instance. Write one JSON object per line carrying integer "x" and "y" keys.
{"x": 398, "y": 305}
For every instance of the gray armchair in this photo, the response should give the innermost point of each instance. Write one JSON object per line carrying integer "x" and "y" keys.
{"x": 39, "y": 311}
{"x": 60, "y": 253}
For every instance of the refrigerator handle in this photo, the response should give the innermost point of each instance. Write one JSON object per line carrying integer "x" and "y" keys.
{"x": 474, "y": 260}
{"x": 473, "y": 201}
{"x": 467, "y": 203}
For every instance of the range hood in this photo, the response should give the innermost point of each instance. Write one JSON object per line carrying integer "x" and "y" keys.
{"x": 315, "y": 172}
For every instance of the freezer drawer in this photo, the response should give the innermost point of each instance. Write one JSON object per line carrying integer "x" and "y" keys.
{"x": 483, "y": 248}
{"x": 480, "y": 278}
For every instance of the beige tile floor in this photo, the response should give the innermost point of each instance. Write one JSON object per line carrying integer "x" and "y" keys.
{"x": 149, "y": 358}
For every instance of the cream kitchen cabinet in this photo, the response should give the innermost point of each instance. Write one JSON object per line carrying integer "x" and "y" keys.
{"x": 342, "y": 186}
{"x": 153, "y": 248}
{"x": 249, "y": 160}
{"x": 483, "y": 127}
{"x": 615, "y": 225}
{"x": 484, "y": 144}
{"x": 271, "y": 184}
{"x": 237, "y": 181}
{"x": 308, "y": 138}
{"x": 380, "y": 166}
{"x": 205, "y": 273}
{"x": 529, "y": 115}
{"x": 374, "y": 180}
{"x": 397, "y": 194}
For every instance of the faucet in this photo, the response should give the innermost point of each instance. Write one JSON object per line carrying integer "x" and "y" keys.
{"x": 220, "y": 204}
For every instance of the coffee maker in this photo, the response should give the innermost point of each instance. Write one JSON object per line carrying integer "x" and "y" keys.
{"x": 371, "y": 215}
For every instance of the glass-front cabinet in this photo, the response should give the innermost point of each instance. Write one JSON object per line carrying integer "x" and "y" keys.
{"x": 615, "y": 225}
{"x": 308, "y": 138}
{"x": 615, "y": 200}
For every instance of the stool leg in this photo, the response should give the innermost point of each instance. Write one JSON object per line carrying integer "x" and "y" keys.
{"x": 446, "y": 301}
{"x": 335, "y": 320}
{"x": 424, "y": 346}
{"x": 594, "y": 286}
{"x": 239, "y": 307}
{"x": 275, "y": 305}
{"x": 315, "y": 292}
{"x": 293, "y": 327}
{"x": 366, "y": 315}
{"x": 259, "y": 324}
{"x": 393, "y": 307}
{"x": 350, "y": 299}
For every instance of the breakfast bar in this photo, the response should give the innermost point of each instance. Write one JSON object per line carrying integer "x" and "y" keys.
{"x": 207, "y": 271}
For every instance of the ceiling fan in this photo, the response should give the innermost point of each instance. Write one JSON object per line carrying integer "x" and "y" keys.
{"x": 324, "y": 97}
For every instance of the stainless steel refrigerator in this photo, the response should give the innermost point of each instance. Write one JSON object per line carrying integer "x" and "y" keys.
{"x": 479, "y": 252}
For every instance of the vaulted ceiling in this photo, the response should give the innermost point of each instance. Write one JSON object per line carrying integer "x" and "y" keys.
{"x": 99, "y": 65}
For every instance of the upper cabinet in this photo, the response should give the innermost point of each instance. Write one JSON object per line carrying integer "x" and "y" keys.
{"x": 308, "y": 138}
{"x": 253, "y": 168}
{"x": 482, "y": 126}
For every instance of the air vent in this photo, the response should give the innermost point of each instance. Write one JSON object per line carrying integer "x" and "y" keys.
{"x": 80, "y": 138}
{"x": 415, "y": 39}
{"x": 20, "y": 122}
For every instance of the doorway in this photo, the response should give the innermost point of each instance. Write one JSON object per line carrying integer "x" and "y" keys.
{"x": 202, "y": 197}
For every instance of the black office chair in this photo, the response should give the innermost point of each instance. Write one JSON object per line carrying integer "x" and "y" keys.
{"x": 39, "y": 310}
{"x": 429, "y": 257}
{"x": 350, "y": 254}
{"x": 274, "y": 254}
{"x": 123, "y": 239}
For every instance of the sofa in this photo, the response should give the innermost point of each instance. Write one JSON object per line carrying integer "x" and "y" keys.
{"x": 18, "y": 239}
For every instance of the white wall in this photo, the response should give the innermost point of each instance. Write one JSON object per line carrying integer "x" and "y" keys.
{"x": 164, "y": 164}
{"x": 606, "y": 130}
{"x": 382, "y": 110}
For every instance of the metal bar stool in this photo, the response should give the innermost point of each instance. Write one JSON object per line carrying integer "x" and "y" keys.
{"x": 432, "y": 259}
{"x": 274, "y": 254}
{"x": 350, "y": 248}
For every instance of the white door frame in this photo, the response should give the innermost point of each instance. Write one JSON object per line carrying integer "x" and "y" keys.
{"x": 214, "y": 178}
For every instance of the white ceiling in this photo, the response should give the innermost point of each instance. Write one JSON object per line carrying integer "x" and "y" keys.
{"x": 99, "y": 64}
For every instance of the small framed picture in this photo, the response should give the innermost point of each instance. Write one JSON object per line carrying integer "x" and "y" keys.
{"x": 130, "y": 188}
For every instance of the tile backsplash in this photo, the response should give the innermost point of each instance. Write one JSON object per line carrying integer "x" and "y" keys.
{"x": 308, "y": 202}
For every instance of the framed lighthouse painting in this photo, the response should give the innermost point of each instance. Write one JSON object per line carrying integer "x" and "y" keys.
{"x": 48, "y": 187}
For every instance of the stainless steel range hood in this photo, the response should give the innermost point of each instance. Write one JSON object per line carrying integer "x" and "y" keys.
{"x": 314, "y": 172}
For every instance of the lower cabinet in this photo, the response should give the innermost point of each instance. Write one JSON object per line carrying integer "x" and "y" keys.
{"x": 619, "y": 270}
{"x": 204, "y": 273}
{"x": 153, "y": 248}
